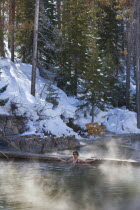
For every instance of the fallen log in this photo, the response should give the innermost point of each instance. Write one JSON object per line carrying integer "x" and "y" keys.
{"x": 30, "y": 156}
{"x": 12, "y": 155}
{"x": 4, "y": 154}
{"x": 4, "y": 139}
{"x": 114, "y": 161}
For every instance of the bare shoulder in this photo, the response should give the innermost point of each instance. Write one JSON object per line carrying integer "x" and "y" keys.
{"x": 70, "y": 160}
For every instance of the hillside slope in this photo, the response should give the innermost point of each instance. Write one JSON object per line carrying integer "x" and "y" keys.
{"x": 43, "y": 116}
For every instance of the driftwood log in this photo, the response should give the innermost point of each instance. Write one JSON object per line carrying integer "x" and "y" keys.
{"x": 115, "y": 162}
{"x": 10, "y": 155}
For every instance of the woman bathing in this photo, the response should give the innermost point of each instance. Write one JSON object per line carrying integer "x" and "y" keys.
{"x": 76, "y": 160}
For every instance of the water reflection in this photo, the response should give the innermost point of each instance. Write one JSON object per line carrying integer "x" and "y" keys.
{"x": 62, "y": 186}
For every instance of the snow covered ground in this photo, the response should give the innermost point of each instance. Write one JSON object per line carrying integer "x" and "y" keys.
{"x": 43, "y": 116}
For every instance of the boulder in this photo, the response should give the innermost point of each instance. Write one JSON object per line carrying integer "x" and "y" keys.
{"x": 12, "y": 125}
{"x": 36, "y": 144}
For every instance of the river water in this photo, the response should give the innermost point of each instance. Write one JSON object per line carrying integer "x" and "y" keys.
{"x": 63, "y": 186}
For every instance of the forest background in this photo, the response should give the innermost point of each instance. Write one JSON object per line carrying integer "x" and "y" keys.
{"x": 92, "y": 47}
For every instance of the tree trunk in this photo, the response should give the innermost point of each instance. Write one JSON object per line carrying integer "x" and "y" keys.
{"x": 9, "y": 26}
{"x": 138, "y": 62}
{"x": 128, "y": 66}
{"x": 92, "y": 112}
{"x": 34, "y": 59}
{"x": 134, "y": 40}
{"x": 75, "y": 81}
{"x": 59, "y": 12}
{"x": 12, "y": 26}
{"x": 2, "y": 52}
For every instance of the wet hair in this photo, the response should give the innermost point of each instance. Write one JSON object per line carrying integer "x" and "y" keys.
{"x": 75, "y": 152}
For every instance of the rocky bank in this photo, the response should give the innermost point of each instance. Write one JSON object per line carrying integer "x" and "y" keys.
{"x": 12, "y": 127}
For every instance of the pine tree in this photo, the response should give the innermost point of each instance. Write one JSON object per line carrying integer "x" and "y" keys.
{"x": 94, "y": 79}
{"x": 126, "y": 9}
{"x": 52, "y": 95}
{"x": 111, "y": 43}
{"x": 72, "y": 55}
{"x": 48, "y": 34}
{"x": 24, "y": 29}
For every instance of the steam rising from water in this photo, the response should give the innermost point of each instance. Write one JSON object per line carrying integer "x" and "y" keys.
{"x": 59, "y": 186}
{"x": 28, "y": 187}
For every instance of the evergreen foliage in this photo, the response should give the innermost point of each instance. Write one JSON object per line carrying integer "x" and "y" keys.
{"x": 48, "y": 34}
{"x": 3, "y": 89}
{"x": 111, "y": 43}
{"x": 86, "y": 42}
{"x": 94, "y": 78}
{"x": 52, "y": 95}
{"x": 72, "y": 56}
{"x": 24, "y": 32}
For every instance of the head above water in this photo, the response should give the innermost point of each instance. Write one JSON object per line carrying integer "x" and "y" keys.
{"x": 75, "y": 153}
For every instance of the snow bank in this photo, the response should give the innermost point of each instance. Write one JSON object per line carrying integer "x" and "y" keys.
{"x": 119, "y": 121}
{"x": 43, "y": 117}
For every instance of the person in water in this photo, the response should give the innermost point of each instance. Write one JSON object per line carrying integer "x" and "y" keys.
{"x": 76, "y": 160}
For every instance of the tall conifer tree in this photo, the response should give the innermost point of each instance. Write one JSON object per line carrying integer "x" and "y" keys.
{"x": 2, "y": 52}
{"x": 72, "y": 56}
